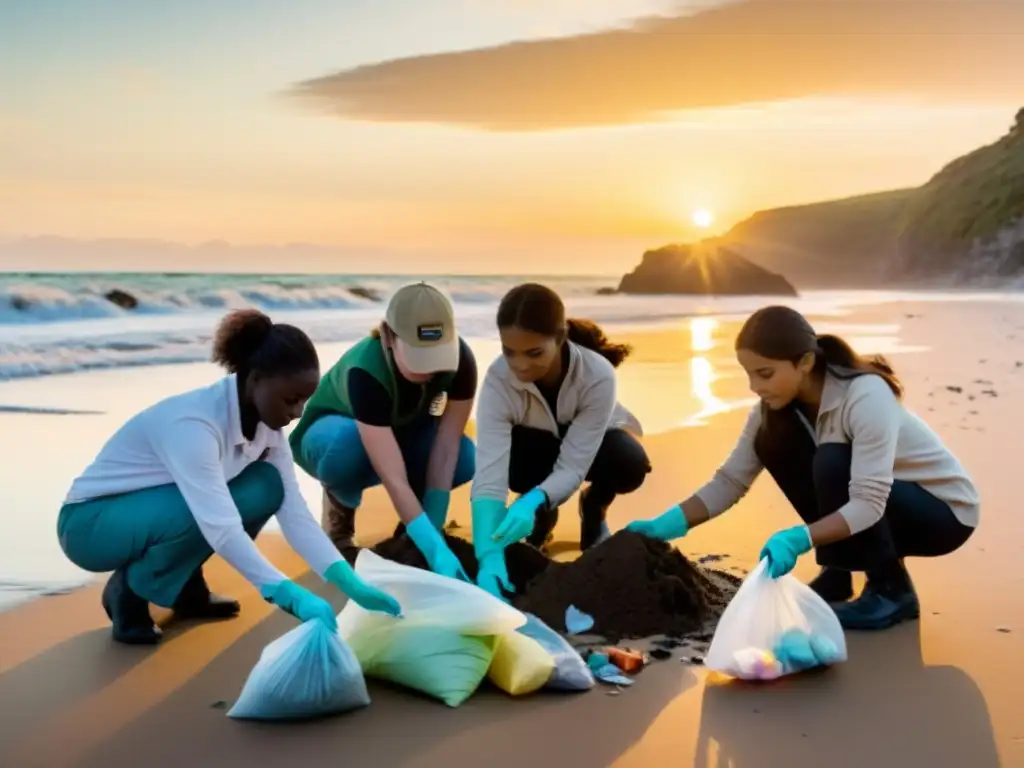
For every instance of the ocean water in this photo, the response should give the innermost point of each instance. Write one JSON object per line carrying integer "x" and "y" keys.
{"x": 74, "y": 366}
{"x": 62, "y": 323}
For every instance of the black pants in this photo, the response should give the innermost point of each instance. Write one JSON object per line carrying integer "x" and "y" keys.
{"x": 816, "y": 480}
{"x": 620, "y": 466}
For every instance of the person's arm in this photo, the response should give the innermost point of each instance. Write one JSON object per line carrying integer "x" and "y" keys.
{"x": 371, "y": 409}
{"x": 873, "y": 423}
{"x": 444, "y": 453}
{"x": 301, "y": 530}
{"x": 732, "y": 480}
{"x": 582, "y": 441}
{"x": 190, "y": 449}
{"x": 494, "y": 419}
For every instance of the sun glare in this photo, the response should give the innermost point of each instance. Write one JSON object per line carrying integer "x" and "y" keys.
{"x": 703, "y": 218}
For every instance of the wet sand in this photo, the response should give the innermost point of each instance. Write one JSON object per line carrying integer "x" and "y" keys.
{"x": 940, "y": 692}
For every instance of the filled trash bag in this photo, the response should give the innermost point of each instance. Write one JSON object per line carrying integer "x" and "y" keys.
{"x": 441, "y": 663}
{"x": 428, "y": 600}
{"x": 445, "y": 640}
{"x": 521, "y": 665}
{"x": 307, "y": 672}
{"x": 775, "y": 627}
{"x": 571, "y": 672}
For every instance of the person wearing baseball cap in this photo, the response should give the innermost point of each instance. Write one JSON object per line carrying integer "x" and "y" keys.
{"x": 393, "y": 411}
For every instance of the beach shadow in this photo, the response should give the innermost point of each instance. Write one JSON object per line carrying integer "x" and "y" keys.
{"x": 59, "y": 678}
{"x": 883, "y": 707}
{"x": 399, "y": 728}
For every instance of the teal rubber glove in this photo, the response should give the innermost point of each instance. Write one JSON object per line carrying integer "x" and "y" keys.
{"x": 798, "y": 651}
{"x": 300, "y": 603}
{"x": 435, "y": 504}
{"x": 666, "y": 526}
{"x": 492, "y": 575}
{"x": 783, "y": 549}
{"x": 520, "y": 518}
{"x": 365, "y": 595}
{"x": 430, "y": 542}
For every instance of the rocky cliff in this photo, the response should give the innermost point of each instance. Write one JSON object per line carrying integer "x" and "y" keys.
{"x": 705, "y": 269}
{"x": 965, "y": 226}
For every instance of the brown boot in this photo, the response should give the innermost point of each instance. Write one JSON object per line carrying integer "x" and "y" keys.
{"x": 338, "y": 522}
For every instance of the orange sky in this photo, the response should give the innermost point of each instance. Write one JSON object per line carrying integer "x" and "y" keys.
{"x": 432, "y": 132}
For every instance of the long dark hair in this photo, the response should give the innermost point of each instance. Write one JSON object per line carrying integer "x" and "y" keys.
{"x": 781, "y": 333}
{"x": 247, "y": 340}
{"x": 538, "y": 309}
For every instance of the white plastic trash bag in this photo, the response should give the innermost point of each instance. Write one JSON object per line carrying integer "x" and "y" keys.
{"x": 428, "y": 600}
{"x": 775, "y": 627}
{"x": 444, "y": 642}
{"x": 307, "y": 672}
{"x": 571, "y": 672}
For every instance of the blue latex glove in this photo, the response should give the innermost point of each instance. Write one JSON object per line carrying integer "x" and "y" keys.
{"x": 493, "y": 573}
{"x": 369, "y": 597}
{"x": 520, "y": 518}
{"x": 300, "y": 603}
{"x": 783, "y": 549}
{"x": 430, "y": 542}
{"x": 435, "y": 504}
{"x": 667, "y": 526}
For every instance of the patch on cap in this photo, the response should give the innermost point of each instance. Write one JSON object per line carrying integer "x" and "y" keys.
{"x": 429, "y": 332}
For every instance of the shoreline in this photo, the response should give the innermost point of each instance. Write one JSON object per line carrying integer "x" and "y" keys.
{"x": 941, "y": 692}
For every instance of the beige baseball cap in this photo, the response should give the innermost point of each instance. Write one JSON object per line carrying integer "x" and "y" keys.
{"x": 424, "y": 322}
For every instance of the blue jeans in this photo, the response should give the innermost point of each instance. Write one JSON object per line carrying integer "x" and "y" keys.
{"x": 153, "y": 535}
{"x": 333, "y": 453}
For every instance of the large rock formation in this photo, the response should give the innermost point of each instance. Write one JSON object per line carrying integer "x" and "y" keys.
{"x": 705, "y": 269}
{"x": 965, "y": 226}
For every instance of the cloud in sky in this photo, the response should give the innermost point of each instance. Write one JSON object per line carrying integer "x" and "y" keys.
{"x": 745, "y": 51}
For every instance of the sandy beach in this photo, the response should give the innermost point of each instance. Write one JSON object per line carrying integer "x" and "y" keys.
{"x": 940, "y": 692}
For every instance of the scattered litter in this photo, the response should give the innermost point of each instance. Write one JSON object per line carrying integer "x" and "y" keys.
{"x": 660, "y": 654}
{"x": 958, "y": 390}
{"x": 711, "y": 559}
{"x": 614, "y": 692}
{"x": 667, "y": 642}
{"x": 576, "y": 621}
{"x": 628, "y": 660}
{"x": 612, "y": 675}
{"x": 698, "y": 660}
{"x": 218, "y": 705}
{"x": 1004, "y": 630}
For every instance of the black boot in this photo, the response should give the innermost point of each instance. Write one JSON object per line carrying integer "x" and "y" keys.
{"x": 593, "y": 529}
{"x": 833, "y": 585}
{"x": 195, "y": 601}
{"x": 128, "y": 612}
{"x": 338, "y": 522}
{"x": 888, "y": 599}
{"x": 543, "y": 526}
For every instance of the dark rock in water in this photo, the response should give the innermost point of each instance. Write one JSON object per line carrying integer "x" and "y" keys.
{"x": 702, "y": 269}
{"x": 607, "y": 291}
{"x": 365, "y": 293}
{"x": 20, "y": 303}
{"x": 123, "y": 299}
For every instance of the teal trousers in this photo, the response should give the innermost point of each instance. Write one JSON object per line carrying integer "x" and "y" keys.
{"x": 153, "y": 535}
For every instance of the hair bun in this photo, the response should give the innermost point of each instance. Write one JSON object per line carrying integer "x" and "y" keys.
{"x": 239, "y": 336}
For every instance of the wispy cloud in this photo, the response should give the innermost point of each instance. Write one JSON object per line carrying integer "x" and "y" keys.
{"x": 741, "y": 52}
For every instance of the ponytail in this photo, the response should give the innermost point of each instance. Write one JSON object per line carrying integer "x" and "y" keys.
{"x": 248, "y": 340}
{"x": 589, "y": 334}
{"x": 837, "y": 357}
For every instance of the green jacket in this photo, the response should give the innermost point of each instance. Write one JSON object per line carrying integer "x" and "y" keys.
{"x": 332, "y": 397}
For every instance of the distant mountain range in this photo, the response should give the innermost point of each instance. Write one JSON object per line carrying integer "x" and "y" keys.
{"x": 964, "y": 227}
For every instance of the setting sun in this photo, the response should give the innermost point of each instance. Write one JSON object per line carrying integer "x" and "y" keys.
{"x": 703, "y": 218}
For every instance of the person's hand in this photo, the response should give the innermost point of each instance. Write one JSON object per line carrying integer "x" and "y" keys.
{"x": 783, "y": 549}
{"x": 434, "y": 548}
{"x": 666, "y": 526}
{"x": 300, "y": 603}
{"x": 520, "y": 518}
{"x": 493, "y": 575}
{"x": 364, "y": 594}
{"x": 435, "y": 505}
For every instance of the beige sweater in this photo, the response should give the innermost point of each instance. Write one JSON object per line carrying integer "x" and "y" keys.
{"x": 889, "y": 443}
{"x": 586, "y": 402}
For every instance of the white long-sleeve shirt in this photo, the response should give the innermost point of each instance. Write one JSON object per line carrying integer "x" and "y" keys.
{"x": 195, "y": 441}
{"x": 888, "y": 442}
